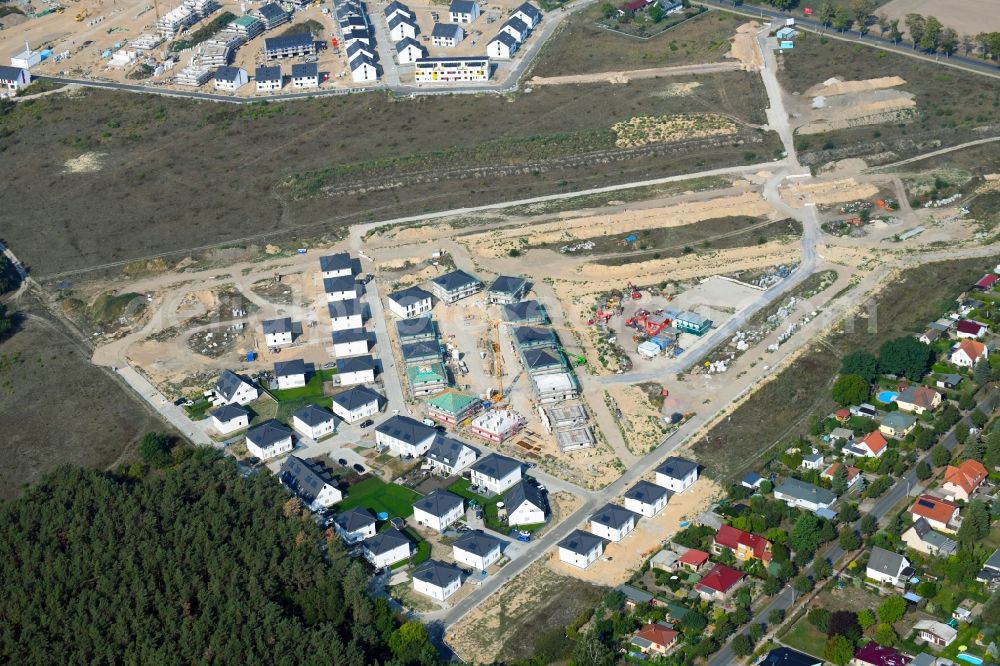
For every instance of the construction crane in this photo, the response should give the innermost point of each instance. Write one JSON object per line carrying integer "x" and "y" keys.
{"x": 497, "y": 363}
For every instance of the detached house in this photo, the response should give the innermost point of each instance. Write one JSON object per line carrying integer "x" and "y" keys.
{"x": 530, "y": 337}
{"x": 693, "y": 560}
{"x": 268, "y": 79}
{"x": 613, "y": 522}
{"x": 410, "y": 302}
{"x": 310, "y": 482}
{"x": 507, "y": 290}
{"x": 12, "y": 80}
{"x": 935, "y": 633}
{"x": 313, "y": 421}
{"x": 525, "y": 312}
{"x": 395, "y": 7}
{"x": 967, "y": 353}
{"x": 350, "y": 342}
{"x": 346, "y": 314}
{"x": 355, "y": 370}
{"x": 918, "y": 399}
{"x": 528, "y": 13}
{"x": 401, "y": 28}
{"x": 230, "y": 418}
{"x": 655, "y": 639}
{"x": 291, "y": 374}
{"x": 677, "y": 474}
{"x": 969, "y": 329}
{"x": 357, "y": 403}
{"x": 897, "y": 425}
{"x": 404, "y": 436}
{"x": 961, "y": 480}
{"x": 581, "y": 549}
{"x": 355, "y": 525}
{"x": 463, "y": 11}
{"x": 476, "y": 549}
{"x": 230, "y": 78}
{"x": 646, "y": 498}
{"x": 447, "y": 35}
{"x": 524, "y": 504}
{"x": 341, "y": 288}
{"x": 745, "y": 546}
{"x": 232, "y": 389}
{"x": 278, "y": 332}
{"x": 502, "y": 46}
{"x": 516, "y": 28}
{"x": 438, "y": 510}
{"x": 409, "y": 51}
{"x": 939, "y": 513}
{"x": 923, "y": 539}
{"x": 887, "y": 567}
{"x": 386, "y": 548}
{"x": 853, "y": 474}
{"x": 455, "y": 286}
{"x": 794, "y": 492}
{"x": 450, "y": 456}
{"x": 420, "y": 329}
{"x": 437, "y": 579}
{"x": 336, "y": 265}
{"x": 719, "y": 583}
{"x": 495, "y": 473}
{"x": 871, "y": 445}
{"x": 269, "y": 439}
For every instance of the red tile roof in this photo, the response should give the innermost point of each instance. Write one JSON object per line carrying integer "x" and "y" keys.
{"x": 730, "y": 537}
{"x": 694, "y": 557}
{"x": 721, "y": 578}
{"x": 659, "y": 634}
{"x": 987, "y": 281}
{"x": 875, "y": 654}
{"x": 842, "y": 414}
{"x": 874, "y": 441}
{"x": 832, "y": 469}
{"x": 974, "y": 350}
{"x": 967, "y": 475}
{"x": 934, "y": 508}
{"x": 970, "y": 327}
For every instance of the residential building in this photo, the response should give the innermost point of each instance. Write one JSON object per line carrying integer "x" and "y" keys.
{"x": 968, "y": 329}
{"x": 516, "y": 28}
{"x": 409, "y": 51}
{"x": 427, "y": 378}
{"x": 581, "y": 549}
{"x": 543, "y": 360}
{"x": 346, "y": 314}
{"x": 719, "y": 583}
{"x": 788, "y": 657}
{"x": 463, "y": 11}
{"x": 426, "y": 351}
{"x": 438, "y": 510}
{"x": 935, "y": 633}
{"x": 569, "y": 424}
{"x": 991, "y": 569}
{"x": 313, "y": 421}
{"x": 495, "y": 473}
{"x": 268, "y": 79}
{"x": 812, "y": 461}
{"x": 677, "y": 474}
{"x": 450, "y": 456}
{"x": 404, "y": 436}
{"x": 401, "y": 27}
{"x": 507, "y": 290}
{"x": 967, "y": 353}
{"x": 752, "y": 481}
{"x": 476, "y": 549}
{"x": 311, "y": 482}
{"x": 232, "y": 389}
{"x": 453, "y": 407}
{"x": 340, "y": 288}
{"x": 921, "y": 538}
{"x": 530, "y": 337}
{"x": 841, "y": 435}
{"x": 613, "y": 522}
{"x": 961, "y": 480}
{"x": 871, "y": 445}
{"x": 646, "y": 498}
{"x": 873, "y": 654}
{"x": 940, "y": 513}
{"x": 410, "y": 302}
{"x": 336, "y": 265}
{"x": 555, "y": 387}
{"x": 525, "y": 312}
{"x": 497, "y": 425}
{"x": 437, "y": 579}
{"x": 230, "y": 78}
{"x": 918, "y": 399}
{"x": 419, "y": 329}
{"x": 447, "y": 35}
{"x": 356, "y": 403}
{"x": 897, "y": 425}
{"x": 931, "y": 335}
{"x": 502, "y": 46}
{"x": 948, "y": 381}
{"x": 230, "y": 418}
{"x": 305, "y": 75}
{"x": 525, "y": 504}
{"x": 528, "y": 13}
{"x": 350, "y": 342}
{"x": 853, "y": 474}
{"x": 269, "y": 439}
{"x": 693, "y": 560}
{"x": 455, "y": 286}
{"x": 363, "y": 69}
{"x": 745, "y": 546}
{"x": 887, "y": 567}
{"x": 655, "y": 639}
{"x": 355, "y": 370}
{"x": 289, "y": 46}
{"x": 986, "y": 283}
{"x": 386, "y": 548}
{"x": 449, "y": 70}
{"x": 278, "y": 332}
{"x": 291, "y": 374}
{"x": 13, "y": 79}
{"x": 794, "y": 492}
{"x": 272, "y": 15}
{"x": 395, "y": 8}
{"x": 355, "y": 525}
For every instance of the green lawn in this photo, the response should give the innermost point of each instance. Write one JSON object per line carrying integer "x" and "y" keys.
{"x": 804, "y": 637}
{"x": 490, "y": 514}
{"x": 199, "y": 410}
{"x": 423, "y": 548}
{"x": 262, "y": 409}
{"x": 966, "y": 636}
{"x": 313, "y": 388}
{"x": 377, "y": 496}
{"x": 288, "y": 407}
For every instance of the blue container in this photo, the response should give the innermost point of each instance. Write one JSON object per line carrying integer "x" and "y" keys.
{"x": 251, "y": 356}
{"x": 382, "y": 515}
{"x": 46, "y": 53}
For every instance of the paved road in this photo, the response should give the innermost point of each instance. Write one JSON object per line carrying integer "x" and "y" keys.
{"x": 967, "y": 144}
{"x": 391, "y": 381}
{"x": 385, "y": 48}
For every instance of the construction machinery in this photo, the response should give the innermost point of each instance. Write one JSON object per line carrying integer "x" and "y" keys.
{"x": 576, "y": 359}
{"x": 497, "y": 396}
{"x": 83, "y": 15}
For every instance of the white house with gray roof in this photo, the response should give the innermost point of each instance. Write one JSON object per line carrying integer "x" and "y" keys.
{"x": 525, "y": 312}
{"x": 313, "y": 421}
{"x": 525, "y": 504}
{"x": 516, "y": 28}
{"x": 232, "y": 389}
{"x": 450, "y": 456}
{"x": 278, "y": 332}
{"x": 506, "y": 290}
{"x": 311, "y": 482}
{"x": 350, "y": 342}
{"x": 269, "y": 440}
{"x": 401, "y": 28}
{"x": 613, "y": 522}
{"x": 336, "y": 265}
{"x": 355, "y": 370}
{"x": 646, "y": 498}
{"x": 292, "y": 374}
{"x": 581, "y": 549}
{"x": 527, "y": 13}
{"x": 447, "y": 35}
{"x": 677, "y": 474}
{"x": 887, "y": 567}
{"x": 418, "y": 329}
{"x": 463, "y": 11}
{"x": 230, "y": 418}
{"x": 437, "y": 579}
{"x": 476, "y": 549}
{"x": 438, "y": 510}
{"x": 355, "y": 525}
{"x": 410, "y": 302}
{"x": 356, "y": 403}
{"x": 395, "y": 7}
{"x": 922, "y": 538}
{"x": 794, "y": 492}
{"x": 409, "y": 51}
{"x": 343, "y": 288}
{"x": 495, "y": 473}
{"x": 455, "y": 286}
{"x": 502, "y": 46}
{"x": 347, "y": 314}
{"x": 404, "y": 436}
{"x": 386, "y": 548}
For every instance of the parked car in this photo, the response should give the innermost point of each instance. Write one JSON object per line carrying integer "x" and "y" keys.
{"x": 342, "y": 461}
{"x": 359, "y": 468}
{"x": 367, "y": 423}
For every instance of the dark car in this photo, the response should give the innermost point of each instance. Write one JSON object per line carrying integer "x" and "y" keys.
{"x": 367, "y": 423}
{"x": 358, "y": 468}
{"x": 180, "y": 401}
{"x": 342, "y": 461}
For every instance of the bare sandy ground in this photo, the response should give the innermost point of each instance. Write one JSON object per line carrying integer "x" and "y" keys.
{"x": 623, "y": 77}
{"x": 744, "y": 47}
{"x": 967, "y": 17}
{"x": 827, "y": 192}
{"x": 836, "y": 86}
{"x": 838, "y": 104}
{"x": 640, "y": 420}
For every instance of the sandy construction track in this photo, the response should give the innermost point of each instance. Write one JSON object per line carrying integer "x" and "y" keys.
{"x": 636, "y": 74}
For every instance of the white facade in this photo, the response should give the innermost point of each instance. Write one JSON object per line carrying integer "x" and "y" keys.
{"x": 268, "y": 85}
{"x": 465, "y": 457}
{"x": 315, "y": 431}
{"x": 13, "y": 79}
{"x": 439, "y": 523}
{"x": 530, "y": 21}
{"x": 278, "y": 338}
{"x": 592, "y": 549}
{"x": 448, "y": 70}
{"x": 610, "y": 533}
{"x": 271, "y": 450}
{"x": 353, "y": 348}
{"x": 409, "y": 309}
{"x": 645, "y": 508}
{"x": 357, "y": 377}
{"x": 292, "y": 381}
{"x": 526, "y": 513}
{"x": 237, "y": 81}
{"x": 500, "y": 49}
{"x": 675, "y": 484}
{"x": 409, "y": 54}
{"x": 496, "y": 485}
{"x": 434, "y": 591}
{"x": 399, "y": 447}
{"x": 343, "y": 322}
{"x": 364, "y": 71}
{"x": 342, "y": 294}
{"x": 232, "y": 425}
{"x": 357, "y": 413}
{"x": 388, "y": 558}
{"x": 402, "y": 30}
{"x": 309, "y": 81}
{"x": 475, "y": 560}
{"x": 467, "y": 13}
{"x": 244, "y": 394}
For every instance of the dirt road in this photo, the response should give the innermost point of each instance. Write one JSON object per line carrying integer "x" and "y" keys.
{"x": 636, "y": 74}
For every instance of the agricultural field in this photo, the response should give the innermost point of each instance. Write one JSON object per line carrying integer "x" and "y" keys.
{"x": 179, "y": 175}
{"x": 783, "y": 407}
{"x": 582, "y": 46}
{"x": 59, "y": 409}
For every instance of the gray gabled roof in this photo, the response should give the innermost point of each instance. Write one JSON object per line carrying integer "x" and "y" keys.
{"x": 530, "y": 10}
{"x": 10, "y": 73}
{"x": 522, "y": 492}
{"x": 439, "y": 503}
{"x": 543, "y": 357}
{"x": 886, "y": 562}
{"x": 516, "y": 312}
{"x": 305, "y": 478}
{"x": 993, "y": 562}
{"x": 461, "y": 6}
{"x": 677, "y": 468}
{"x": 227, "y": 73}
{"x": 227, "y": 413}
{"x": 229, "y": 382}
{"x": 505, "y": 38}
{"x": 313, "y": 415}
{"x": 296, "y": 366}
{"x": 518, "y": 25}
{"x": 263, "y": 73}
{"x": 402, "y": 44}
{"x": 939, "y": 541}
{"x": 418, "y": 326}
{"x": 360, "y": 59}
{"x": 531, "y": 334}
{"x": 355, "y": 48}
{"x": 287, "y": 41}
{"x": 349, "y": 335}
{"x": 283, "y": 325}
{"x": 355, "y": 364}
{"x": 646, "y": 492}
{"x": 581, "y": 542}
{"x": 437, "y": 573}
{"x": 386, "y": 541}
{"x": 399, "y": 18}
{"x": 357, "y": 396}
{"x": 614, "y": 516}
{"x": 405, "y": 429}
{"x": 446, "y": 450}
{"x": 394, "y": 5}
{"x": 355, "y": 519}
{"x": 496, "y": 466}
{"x": 447, "y": 30}
{"x": 345, "y": 308}
{"x": 336, "y": 262}
{"x": 505, "y": 284}
{"x": 342, "y": 282}
{"x": 409, "y": 296}
{"x": 422, "y": 349}
{"x": 455, "y": 280}
{"x": 806, "y": 492}
{"x": 268, "y": 433}
{"x": 477, "y": 542}
{"x": 272, "y": 11}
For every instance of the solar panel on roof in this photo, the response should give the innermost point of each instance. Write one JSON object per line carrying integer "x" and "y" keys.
{"x": 926, "y": 503}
